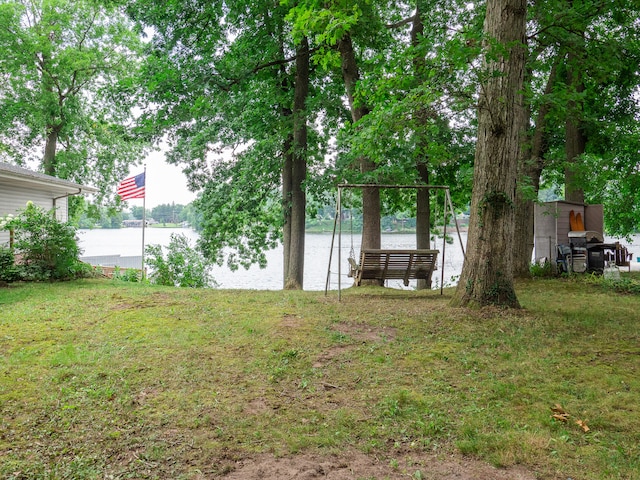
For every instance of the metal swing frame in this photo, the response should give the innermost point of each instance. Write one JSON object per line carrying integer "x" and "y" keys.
{"x": 337, "y": 225}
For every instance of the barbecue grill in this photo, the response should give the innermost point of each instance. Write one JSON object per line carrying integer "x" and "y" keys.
{"x": 588, "y": 251}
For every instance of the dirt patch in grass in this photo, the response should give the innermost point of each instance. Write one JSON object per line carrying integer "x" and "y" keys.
{"x": 257, "y": 406}
{"x": 366, "y": 333}
{"x": 329, "y": 355}
{"x": 356, "y": 465}
{"x": 143, "y": 395}
{"x": 353, "y": 333}
{"x": 291, "y": 321}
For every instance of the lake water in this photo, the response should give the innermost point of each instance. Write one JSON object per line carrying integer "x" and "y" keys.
{"x": 128, "y": 242}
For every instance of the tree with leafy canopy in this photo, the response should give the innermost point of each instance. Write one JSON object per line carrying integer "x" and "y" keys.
{"x": 334, "y": 25}
{"x": 230, "y": 87}
{"x": 487, "y": 273}
{"x": 220, "y": 78}
{"x": 138, "y": 212}
{"x": 607, "y": 108}
{"x": 421, "y": 97}
{"x": 404, "y": 94}
{"x": 68, "y": 89}
{"x": 582, "y": 132}
{"x": 167, "y": 212}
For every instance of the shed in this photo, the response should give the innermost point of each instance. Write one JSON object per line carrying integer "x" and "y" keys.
{"x": 552, "y": 225}
{"x": 20, "y": 185}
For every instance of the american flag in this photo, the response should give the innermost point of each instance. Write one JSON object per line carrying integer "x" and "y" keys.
{"x": 131, "y": 187}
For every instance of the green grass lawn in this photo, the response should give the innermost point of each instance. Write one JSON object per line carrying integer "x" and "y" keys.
{"x": 101, "y": 379}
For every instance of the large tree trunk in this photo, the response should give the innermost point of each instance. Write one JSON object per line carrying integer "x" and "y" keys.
{"x": 54, "y": 125}
{"x": 487, "y": 274}
{"x": 50, "y": 147}
{"x": 370, "y": 195}
{"x": 287, "y": 202}
{"x": 423, "y": 218}
{"x": 294, "y": 275}
{"x": 575, "y": 139}
{"x": 287, "y": 172}
{"x": 423, "y": 207}
{"x": 530, "y": 169}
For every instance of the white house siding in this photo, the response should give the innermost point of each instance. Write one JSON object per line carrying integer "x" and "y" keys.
{"x": 14, "y": 198}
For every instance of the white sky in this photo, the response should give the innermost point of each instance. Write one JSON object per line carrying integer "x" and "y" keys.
{"x": 164, "y": 183}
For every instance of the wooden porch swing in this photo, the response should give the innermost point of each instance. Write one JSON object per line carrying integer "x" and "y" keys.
{"x": 389, "y": 264}
{"x": 383, "y": 264}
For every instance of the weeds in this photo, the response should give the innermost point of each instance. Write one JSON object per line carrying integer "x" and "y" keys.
{"x": 182, "y": 266}
{"x": 132, "y": 275}
{"x": 541, "y": 269}
{"x": 627, "y": 284}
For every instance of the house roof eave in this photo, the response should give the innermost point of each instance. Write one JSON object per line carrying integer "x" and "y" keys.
{"x": 23, "y": 175}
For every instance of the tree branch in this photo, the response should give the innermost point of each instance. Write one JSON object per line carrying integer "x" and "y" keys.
{"x": 234, "y": 81}
{"x": 86, "y": 31}
{"x": 401, "y": 23}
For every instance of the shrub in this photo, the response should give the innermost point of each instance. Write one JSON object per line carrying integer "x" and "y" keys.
{"x": 541, "y": 269}
{"x": 182, "y": 267}
{"x": 48, "y": 248}
{"x": 127, "y": 275}
{"x": 8, "y": 270}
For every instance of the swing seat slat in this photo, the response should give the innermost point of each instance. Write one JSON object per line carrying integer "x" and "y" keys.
{"x": 405, "y": 265}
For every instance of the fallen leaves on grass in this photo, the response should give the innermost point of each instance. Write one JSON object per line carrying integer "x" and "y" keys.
{"x": 583, "y": 425}
{"x": 561, "y": 415}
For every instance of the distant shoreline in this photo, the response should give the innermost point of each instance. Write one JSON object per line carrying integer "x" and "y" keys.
{"x": 407, "y": 231}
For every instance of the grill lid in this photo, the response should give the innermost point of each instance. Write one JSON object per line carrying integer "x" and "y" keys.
{"x": 589, "y": 236}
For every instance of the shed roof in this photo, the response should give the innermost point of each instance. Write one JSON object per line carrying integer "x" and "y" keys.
{"x": 24, "y": 175}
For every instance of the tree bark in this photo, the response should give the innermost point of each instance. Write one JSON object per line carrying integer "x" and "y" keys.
{"x": 54, "y": 125}
{"x": 370, "y": 195}
{"x": 530, "y": 169}
{"x": 423, "y": 206}
{"x": 575, "y": 139}
{"x": 487, "y": 274}
{"x": 50, "y": 147}
{"x": 423, "y": 217}
{"x": 287, "y": 172}
{"x": 287, "y": 202}
{"x": 294, "y": 276}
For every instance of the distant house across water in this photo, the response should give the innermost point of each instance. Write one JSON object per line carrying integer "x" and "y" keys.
{"x": 137, "y": 223}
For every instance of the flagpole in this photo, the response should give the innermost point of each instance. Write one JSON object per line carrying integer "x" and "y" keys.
{"x": 144, "y": 217}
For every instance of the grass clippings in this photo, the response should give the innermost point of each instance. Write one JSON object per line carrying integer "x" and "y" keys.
{"x": 100, "y": 379}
